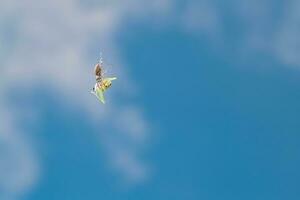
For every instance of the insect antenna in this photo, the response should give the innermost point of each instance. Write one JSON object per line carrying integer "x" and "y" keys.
{"x": 100, "y": 60}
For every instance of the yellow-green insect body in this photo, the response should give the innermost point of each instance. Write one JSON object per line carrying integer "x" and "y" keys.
{"x": 106, "y": 83}
{"x": 101, "y": 87}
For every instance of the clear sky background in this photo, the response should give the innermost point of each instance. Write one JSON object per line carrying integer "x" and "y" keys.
{"x": 206, "y": 105}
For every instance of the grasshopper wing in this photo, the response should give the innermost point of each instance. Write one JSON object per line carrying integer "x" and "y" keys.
{"x": 99, "y": 94}
{"x": 112, "y": 78}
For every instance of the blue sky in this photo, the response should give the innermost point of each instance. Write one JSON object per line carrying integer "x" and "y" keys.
{"x": 206, "y": 104}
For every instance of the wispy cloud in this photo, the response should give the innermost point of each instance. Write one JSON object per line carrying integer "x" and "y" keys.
{"x": 287, "y": 41}
{"x": 200, "y": 17}
{"x": 19, "y": 169}
{"x": 258, "y": 27}
{"x": 46, "y": 46}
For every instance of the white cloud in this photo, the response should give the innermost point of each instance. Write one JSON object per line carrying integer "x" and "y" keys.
{"x": 201, "y": 17}
{"x": 19, "y": 168}
{"x": 132, "y": 121}
{"x": 271, "y": 28}
{"x": 287, "y": 41}
{"x": 128, "y": 162}
{"x": 259, "y": 27}
{"x": 49, "y": 41}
